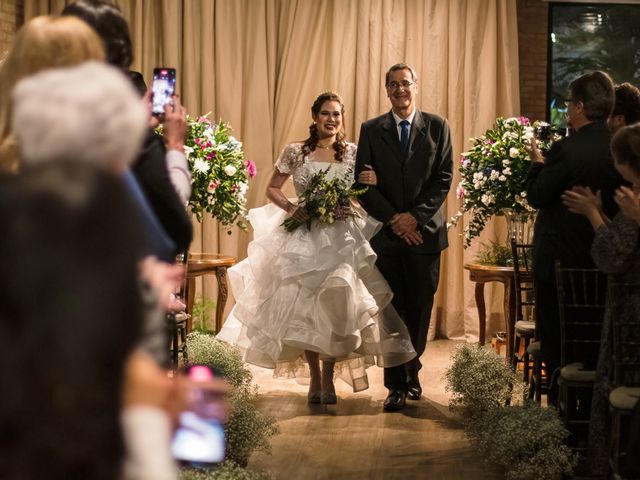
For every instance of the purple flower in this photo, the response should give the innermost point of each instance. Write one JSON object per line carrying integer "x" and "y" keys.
{"x": 524, "y": 121}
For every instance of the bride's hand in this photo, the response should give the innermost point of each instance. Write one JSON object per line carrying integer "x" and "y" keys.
{"x": 368, "y": 176}
{"x": 298, "y": 213}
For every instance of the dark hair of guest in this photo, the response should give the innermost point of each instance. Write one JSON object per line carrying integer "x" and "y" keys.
{"x": 627, "y": 102}
{"x": 625, "y": 146}
{"x": 595, "y": 91}
{"x": 106, "y": 19}
{"x": 310, "y": 144}
{"x": 70, "y": 316}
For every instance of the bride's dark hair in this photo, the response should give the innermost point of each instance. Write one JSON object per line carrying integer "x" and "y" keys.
{"x": 310, "y": 144}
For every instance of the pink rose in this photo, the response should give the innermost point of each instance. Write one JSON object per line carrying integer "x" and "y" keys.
{"x": 212, "y": 186}
{"x": 251, "y": 168}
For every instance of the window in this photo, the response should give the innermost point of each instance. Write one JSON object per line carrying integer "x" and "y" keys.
{"x": 586, "y": 37}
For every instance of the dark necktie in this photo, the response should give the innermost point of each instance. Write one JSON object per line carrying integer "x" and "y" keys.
{"x": 404, "y": 138}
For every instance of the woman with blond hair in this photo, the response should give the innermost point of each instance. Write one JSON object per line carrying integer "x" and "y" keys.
{"x": 42, "y": 43}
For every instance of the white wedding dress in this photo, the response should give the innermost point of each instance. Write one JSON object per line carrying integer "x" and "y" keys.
{"x": 314, "y": 289}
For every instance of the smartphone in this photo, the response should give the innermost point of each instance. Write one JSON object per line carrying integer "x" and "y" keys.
{"x": 199, "y": 439}
{"x": 163, "y": 87}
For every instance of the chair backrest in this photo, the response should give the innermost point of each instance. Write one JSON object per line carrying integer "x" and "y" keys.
{"x": 582, "y": 294}
{"x": 624, "y": 309}
{"x": 523, "y": 280}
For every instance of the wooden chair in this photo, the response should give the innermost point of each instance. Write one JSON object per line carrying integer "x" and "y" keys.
{"x": 581, "y": 301}
{"x": 525, "y": 326}
{"x": 625, "y": 321}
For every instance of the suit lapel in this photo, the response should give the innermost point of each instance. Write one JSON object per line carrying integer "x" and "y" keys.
{"x": 390, "y": 135}
{"x": 418, "y": 134}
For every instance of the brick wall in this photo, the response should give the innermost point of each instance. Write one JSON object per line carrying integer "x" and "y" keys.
{"x": 532, "y": 49}
{"x": 11, "y": 17}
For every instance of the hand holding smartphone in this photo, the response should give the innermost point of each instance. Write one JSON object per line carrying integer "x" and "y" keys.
{"x": 163, "y": 88}
{"x": 199, "y": 439}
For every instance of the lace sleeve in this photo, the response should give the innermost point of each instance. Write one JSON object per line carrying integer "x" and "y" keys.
{"x": 615, "y": 244}
{"x": 290, "y": 159}
{"x": 350, "y": 155}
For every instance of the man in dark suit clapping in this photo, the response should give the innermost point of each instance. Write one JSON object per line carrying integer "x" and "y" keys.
{"x": 410, "y": 151}
{"x": 582, "y": 159}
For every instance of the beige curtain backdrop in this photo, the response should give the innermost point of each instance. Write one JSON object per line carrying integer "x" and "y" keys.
{"x": 259, "y": 64}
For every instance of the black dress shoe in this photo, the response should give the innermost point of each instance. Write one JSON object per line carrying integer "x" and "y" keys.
{"x": 395, "y": 401}
{"x": 414, "y": 392}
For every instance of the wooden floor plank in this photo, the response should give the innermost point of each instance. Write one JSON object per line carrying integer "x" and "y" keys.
{"x": 355, "y": 439}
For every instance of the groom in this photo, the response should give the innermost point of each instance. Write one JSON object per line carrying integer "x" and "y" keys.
{"x": 410, "y": 151}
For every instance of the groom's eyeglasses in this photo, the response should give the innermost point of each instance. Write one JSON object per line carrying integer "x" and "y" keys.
{"x": 397, "y": 85}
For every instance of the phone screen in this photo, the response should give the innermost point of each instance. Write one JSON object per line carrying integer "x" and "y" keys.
{"x": 163, "y": 87}
{"x": 199, "y": 439}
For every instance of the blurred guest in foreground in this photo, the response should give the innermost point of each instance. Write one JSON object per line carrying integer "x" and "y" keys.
{"x": 71, "y": 316}
{"x": 161, "y": 166}
{"x": 92, "y": 114}
{"x": 42, "y": 43}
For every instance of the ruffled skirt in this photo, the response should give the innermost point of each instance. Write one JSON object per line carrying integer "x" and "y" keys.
{"x": 314, "y": 289}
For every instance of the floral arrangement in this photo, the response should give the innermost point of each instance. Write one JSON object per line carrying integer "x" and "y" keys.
{"x": 528, "y": 441}
{"x": 247, "y": 429}
{"x": 220, "y": 175}
{"x": 326, "y": 200}
{"x": 227, "y": 470}
{"x": 493, "y": 173}
{"x": 479, "y": 381}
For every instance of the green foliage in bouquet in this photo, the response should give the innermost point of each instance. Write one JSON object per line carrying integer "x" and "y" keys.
{"x": 526, "y": 440}
{"x": 493, "y": 174}
{"x": 247, "y": 429}
{"x": 225, "y": 471}
{"x": 325, "y": 199}
{"x": 480, "y": 381}
{"x": 220, "y": 174}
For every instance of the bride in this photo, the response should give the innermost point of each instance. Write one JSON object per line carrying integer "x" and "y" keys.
{"x": 315, "y": 293}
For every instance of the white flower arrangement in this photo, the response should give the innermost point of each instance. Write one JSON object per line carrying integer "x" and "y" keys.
{"x": 493, "y": 174}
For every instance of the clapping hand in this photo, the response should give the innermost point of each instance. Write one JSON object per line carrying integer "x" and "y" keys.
{"x": 368, "y": 176}
{"x": 629, "y": 202}
{"x": 582, "y": 200}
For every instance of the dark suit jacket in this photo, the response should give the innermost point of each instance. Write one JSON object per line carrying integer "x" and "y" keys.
{"x": 584, "y": 159}
{"x": 150, "y": 169}
{"x": 418, "y": 185}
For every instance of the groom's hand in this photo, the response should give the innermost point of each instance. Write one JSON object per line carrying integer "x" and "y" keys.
{"x": 405, "y": 226}
{"x": 412, "y": 238}
{"x": 403, "y": 223}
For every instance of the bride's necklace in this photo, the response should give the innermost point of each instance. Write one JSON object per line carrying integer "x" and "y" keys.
{"x": 325, "y": 147}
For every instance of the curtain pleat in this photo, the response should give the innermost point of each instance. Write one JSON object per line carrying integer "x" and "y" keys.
{"x": 259, "y": 64}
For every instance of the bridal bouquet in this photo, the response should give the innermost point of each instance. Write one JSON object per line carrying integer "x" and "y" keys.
{"x": 220, "y": 174}
{"x": 325, "y": 199}
{"x": 493, "y": 173}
